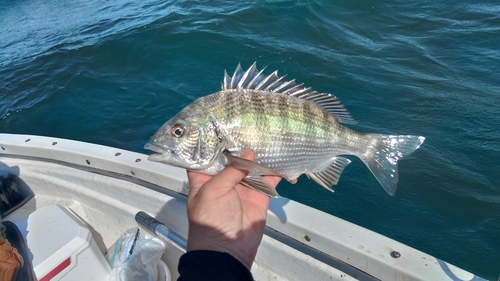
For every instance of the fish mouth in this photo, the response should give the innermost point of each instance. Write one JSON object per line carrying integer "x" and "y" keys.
{"x": 154, "y": 147}
{"x": 161, "y": 153}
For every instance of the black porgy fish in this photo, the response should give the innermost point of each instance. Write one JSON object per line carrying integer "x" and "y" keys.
{"x": 293, "y": 130}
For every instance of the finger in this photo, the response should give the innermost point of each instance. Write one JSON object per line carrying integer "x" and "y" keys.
{"x": 227, "y": 179}
{"x": 196, "y": 180}
{"x": 256, "y": 197}
{"x": 272, "y": 180}
{"x": 233, "y": 175}
{"x": 248, "y": 154}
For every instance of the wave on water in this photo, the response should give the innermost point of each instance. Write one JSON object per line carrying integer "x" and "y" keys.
{"x": 38, "y": 34}
{"x": 33, "y": 28}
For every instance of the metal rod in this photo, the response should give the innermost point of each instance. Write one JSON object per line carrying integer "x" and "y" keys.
{"x": 159, "y": 229}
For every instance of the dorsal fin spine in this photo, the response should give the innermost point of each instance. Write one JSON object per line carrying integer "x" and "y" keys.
{"x": 301, "y": 93}
{"x": 235, "y": 76}
{"x": 226, "y": 80}
{"x": 255, "y": 79}
{"x": 246, "y": 76}
{"x": 271, "y": 87}
{"x": 293, "y": 89}
{"x": 283, "y": 87}
{"x": 264, "y": 81}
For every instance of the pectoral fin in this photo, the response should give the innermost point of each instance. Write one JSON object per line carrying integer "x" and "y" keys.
{"x": 258, "y": 184}
{"x": 255, "y": 181}
{"x": 330, "y": 176}
{"x": 247, "y": 165}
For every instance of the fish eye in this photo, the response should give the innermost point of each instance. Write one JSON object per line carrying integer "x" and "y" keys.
{"x": 178, "y": 130}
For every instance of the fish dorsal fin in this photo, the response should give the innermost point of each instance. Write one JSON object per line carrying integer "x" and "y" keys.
{"x": 253, "y": 79}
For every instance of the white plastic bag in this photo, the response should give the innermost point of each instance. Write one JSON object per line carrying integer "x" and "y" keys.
{"x": 135, "y": 257}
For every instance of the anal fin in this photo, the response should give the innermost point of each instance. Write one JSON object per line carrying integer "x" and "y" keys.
{"x": 330, "y": 176}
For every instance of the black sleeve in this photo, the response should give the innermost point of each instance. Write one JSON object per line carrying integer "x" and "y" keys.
{"x": 211, "y": 265}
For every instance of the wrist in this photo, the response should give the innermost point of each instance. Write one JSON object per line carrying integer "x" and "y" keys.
{"x": 205, "y": 245}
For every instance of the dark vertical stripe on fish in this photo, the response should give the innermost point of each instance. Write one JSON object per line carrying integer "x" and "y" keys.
{"x": 229, "y": 103}
{"x": 287, "y": 115}
{"x": 258, "y": 104}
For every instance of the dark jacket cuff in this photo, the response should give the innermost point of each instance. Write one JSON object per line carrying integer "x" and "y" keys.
{"x": 211, "y": 265}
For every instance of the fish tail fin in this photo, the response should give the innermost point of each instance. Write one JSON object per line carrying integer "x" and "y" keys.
{"x": 383, "y": 153}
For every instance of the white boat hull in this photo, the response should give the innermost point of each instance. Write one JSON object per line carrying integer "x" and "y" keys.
{"x": 107, "y": 186}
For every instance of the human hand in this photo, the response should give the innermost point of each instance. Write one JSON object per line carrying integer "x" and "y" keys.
{"x": 225, "y": 215}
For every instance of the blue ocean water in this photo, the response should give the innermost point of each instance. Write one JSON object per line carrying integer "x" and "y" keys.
{"x": 112, "y": 72}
